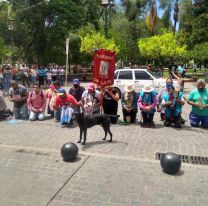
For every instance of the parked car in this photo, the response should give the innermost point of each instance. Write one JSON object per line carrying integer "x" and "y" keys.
{"x": 138, "y": 78}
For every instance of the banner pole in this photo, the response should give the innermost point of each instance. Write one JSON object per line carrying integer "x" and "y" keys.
{"x": 67, "y": 60}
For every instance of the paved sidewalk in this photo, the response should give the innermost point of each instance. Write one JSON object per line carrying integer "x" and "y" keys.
{"x": 123, "y": 172}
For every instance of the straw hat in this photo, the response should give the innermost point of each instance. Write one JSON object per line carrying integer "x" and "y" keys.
{"x": 129, "y": 88}
{"x": 147, "y": 88}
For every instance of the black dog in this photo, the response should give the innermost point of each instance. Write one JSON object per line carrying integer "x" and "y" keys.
{"x": 87, "y": 121}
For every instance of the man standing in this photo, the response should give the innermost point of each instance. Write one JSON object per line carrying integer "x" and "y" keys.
{"x": 18, "y": 94}
{"x": 36, "y": 104}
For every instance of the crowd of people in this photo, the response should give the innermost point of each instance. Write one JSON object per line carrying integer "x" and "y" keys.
{"x": 29, "y": 75}
{"x": 61, "y": 104}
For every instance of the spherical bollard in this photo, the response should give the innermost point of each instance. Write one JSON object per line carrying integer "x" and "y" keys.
{"x": 69, "y": 152}
{"x": 170, "y": 163}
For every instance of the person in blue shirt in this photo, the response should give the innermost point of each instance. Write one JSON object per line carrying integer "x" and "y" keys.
{"x": 42, "y": 75}
{"x": 198, "y": 99}
{"x": 173, "y": 102}
{"x": 147, "y": 103}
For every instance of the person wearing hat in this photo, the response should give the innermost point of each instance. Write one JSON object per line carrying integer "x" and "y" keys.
{"x": 91, "y": 99}
{"x": 147, "y": 103}
{"x": 129, "y": 104}
{"x": 63, "y": 99}
{"x": 76, "y": 91}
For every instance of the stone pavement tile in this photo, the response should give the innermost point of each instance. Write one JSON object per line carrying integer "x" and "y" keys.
{"x": 134, "y": 182}
{"x": 30, "y": 178}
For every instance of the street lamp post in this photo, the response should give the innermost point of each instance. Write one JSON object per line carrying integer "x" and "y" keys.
{"x": 106, "y": 4}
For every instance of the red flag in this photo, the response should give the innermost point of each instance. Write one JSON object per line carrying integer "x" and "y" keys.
{"x": 104, "y": 67}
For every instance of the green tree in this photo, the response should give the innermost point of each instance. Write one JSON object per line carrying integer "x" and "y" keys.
{"x": 200, "y": 52}
{"x": 93, "y": 41}
{"x": 161, "y": 47}
{"x": 151, "y": 18}
{"x": 194, "y": 22}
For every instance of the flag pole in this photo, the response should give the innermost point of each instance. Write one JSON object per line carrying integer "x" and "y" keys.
{"x": 67, "y": 60}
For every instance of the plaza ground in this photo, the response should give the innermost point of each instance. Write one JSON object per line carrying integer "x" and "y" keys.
{"x": 123, "y": 172}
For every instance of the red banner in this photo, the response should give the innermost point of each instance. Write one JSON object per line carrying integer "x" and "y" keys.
{"x": 104, "y": 67}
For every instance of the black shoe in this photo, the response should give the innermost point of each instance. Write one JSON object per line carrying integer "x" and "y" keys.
{"x": 183, "y": 121}
{"x": 178, "y": 126}
{"x": 152, "y": 125}
{"x": 167, "y": 124}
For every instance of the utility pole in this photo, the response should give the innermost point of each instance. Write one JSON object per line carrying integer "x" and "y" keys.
{"x": 106, "y": 5}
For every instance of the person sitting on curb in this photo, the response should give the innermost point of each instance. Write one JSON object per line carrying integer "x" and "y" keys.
{"x": 129, "y": 104}
{"x": 147, "y": 103}
{"x": 198, "y": 99}
{"x": 19, "y": 94}
{"x": 173, "y": 102}
{"x": 36, "y": 104}
{"x": 63, "y": 99}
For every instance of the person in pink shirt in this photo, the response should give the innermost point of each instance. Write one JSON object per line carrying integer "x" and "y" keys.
{"x": 36, "y": 104}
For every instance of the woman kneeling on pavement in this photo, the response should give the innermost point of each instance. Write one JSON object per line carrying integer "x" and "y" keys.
{"x": 147, "y": 103}
{"x": 173, "y": 102}
{"x": 129, "y": 104}
{"x": 198, "y": 98}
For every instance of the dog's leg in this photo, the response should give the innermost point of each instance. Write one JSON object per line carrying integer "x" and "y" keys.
{"x": 108, "y": 129}
{"x": 80, "y": 136}
{"x": 105, "y": 133}
{"x": 85, "y": 136}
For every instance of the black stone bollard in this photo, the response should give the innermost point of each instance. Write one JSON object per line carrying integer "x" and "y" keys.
{"x": 170, "y": 163}
{"x": 69, "y": 152}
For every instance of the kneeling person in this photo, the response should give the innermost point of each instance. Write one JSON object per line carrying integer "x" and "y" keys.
{"x": 173, "y": 102}
{"x": 62, "y": 100}
{"x": 36, "y": 104}
{"x": 147, "y": 103}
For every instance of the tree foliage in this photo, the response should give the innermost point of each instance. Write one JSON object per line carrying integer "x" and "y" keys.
{"x": 160, "y": 46}
{"x": 93, "y": 41}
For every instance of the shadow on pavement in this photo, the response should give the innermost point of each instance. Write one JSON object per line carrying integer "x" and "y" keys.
{"x": 91, "y": 144}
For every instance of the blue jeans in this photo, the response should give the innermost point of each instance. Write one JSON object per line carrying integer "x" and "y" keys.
{"x": 196, "y": 119}
{"x": 21, "y": 112}
{"x": 57, "y": 114}
{"x": 6, "y": 84}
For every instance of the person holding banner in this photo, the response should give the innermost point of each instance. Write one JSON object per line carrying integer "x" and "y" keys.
{"x": 110, "y": 103}
{"x": 129, "y": 104}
